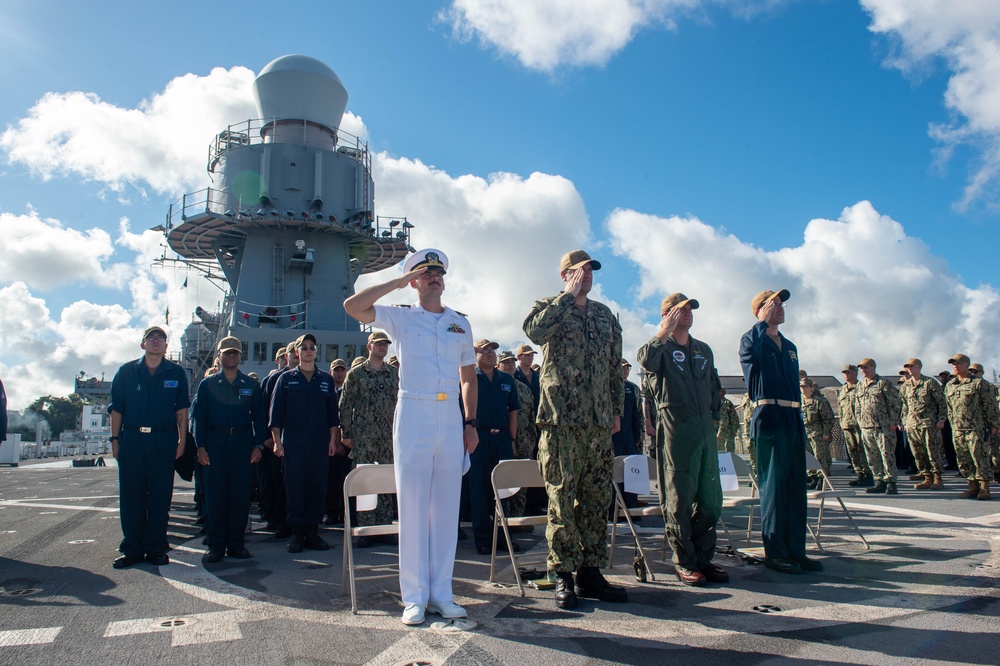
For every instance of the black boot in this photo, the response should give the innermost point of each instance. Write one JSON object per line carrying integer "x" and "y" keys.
{"x": 565, "y": 594}
{"x": 868, "y": 481}
{"x": 312, "y": 540}
{"x": 890, "y": 488}
{"x": 590, "y": 584}
{"x": 878, "y": 488}
{"x": 858, "y": 481}
{"x": 298, "y": 540}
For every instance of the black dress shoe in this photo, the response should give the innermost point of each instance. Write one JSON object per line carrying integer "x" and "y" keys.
{"x": 388, "y": 539}
{"x": 313, "y": 541}
{"x": 126, "y": 561}
{"x": 363, "y": 542}
{"x": 212, "y": 556}
{"x": 502, "y": 546}
{"x": 283, "y": 532}
{"x": 240, "y": 553}
{"x": 297, "y": 542}
{"x": 713, "y": 573}
{"x": 782, "y": 565}
{"x": 485, "y": 550}
{"x": 565, "y": 592}
{"x": 158, "y": 560}
{"x": 809, "y": 564}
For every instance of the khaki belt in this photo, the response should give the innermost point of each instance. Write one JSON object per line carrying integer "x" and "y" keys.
{"x": 779, "y": 403}
{"x": 495, "y": 431}
{"x": 145, "y": 430}
{"x": 414, "y": 395}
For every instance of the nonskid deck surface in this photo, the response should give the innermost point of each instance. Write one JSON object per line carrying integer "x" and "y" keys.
{"x": 927, "y": 592}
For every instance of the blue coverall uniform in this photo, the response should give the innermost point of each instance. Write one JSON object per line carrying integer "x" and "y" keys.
{"x": 229, "y": 421}
{"x": 147, "y": 448}
{"x": 779, "y": 434}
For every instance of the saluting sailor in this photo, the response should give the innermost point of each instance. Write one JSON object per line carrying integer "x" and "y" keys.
{"x": 435, "y": 348}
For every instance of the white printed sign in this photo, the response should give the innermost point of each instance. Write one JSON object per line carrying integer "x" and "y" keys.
{"x": 727, "y": 472}
{"x": 637, "y": 475}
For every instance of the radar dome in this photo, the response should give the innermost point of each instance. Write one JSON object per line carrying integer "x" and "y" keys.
{"x": 297, "y": 87}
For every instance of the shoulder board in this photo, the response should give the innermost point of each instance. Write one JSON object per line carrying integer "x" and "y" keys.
{"x": 461, "y": 313}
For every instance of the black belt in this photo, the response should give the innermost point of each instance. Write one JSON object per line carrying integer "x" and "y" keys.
{"x": 145, "y": 430}
{"x": 230, "y": 431}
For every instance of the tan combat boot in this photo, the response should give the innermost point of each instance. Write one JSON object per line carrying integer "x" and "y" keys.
{"x": 938, "y": 484}
{"x": 972, "y": 492}
{"x": 984, "y": 491}
{"x": 925, "y": 484}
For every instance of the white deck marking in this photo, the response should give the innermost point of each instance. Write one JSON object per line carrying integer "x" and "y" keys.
{"x": 14, "y": 637}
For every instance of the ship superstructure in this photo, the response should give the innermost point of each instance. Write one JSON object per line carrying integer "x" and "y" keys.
{"x": 290, "y": 223}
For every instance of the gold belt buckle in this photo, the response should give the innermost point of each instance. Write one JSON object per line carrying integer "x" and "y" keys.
{"x": 145, "y": 431}
{"x": 442, "y": 396}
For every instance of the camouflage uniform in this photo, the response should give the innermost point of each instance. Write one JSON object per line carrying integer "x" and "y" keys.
{"x": 581, "y": 393}
{"x": 852, "y": 432}
{"x": 923, "y": 407}
{"x": 746, "y": 407}
{"x": 729, "y": 425}
{"x": 972, "y": 410}
{"x": 527, "y": 438}
{"x": 876, "y": 405}
{"x": 817, "y": 414}
{"x": 367, "y": 406}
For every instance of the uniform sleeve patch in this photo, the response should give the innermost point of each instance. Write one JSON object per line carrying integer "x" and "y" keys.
{"x": 679, "y": 356}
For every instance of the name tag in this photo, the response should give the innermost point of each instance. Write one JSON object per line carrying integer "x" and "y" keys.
{"x": 505, "y": 387}
{"x": 169, "y": 383}
{"x": 246, "y": 391}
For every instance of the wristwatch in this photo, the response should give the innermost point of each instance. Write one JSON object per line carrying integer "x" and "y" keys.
{"x": 114, "y": 438}
{"x": 472, "y": 422}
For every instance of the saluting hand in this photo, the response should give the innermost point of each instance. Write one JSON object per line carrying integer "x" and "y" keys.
{"x": 669, "y": 322}
{"x": 574, "y": 281}
{"x": 412, "y": 275}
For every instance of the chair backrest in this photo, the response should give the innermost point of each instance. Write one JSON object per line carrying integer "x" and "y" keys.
{"x": 371, "y": 480}
{"x": 812, "y": 463}
{"x": 743, "y": 471}
{"x": 619, "y": 469}
{"x": 517, "y": 474}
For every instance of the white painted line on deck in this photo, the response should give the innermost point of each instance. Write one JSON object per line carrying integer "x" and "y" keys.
{"x": 14, "y": 637}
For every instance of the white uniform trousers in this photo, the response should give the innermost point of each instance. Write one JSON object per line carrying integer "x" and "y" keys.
{"x": 428, "y": 451}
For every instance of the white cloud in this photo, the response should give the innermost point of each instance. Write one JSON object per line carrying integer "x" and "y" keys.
{"x": 860, "y": 287}
{"x": 547, "y": 35}
{"x": 504, "y": 236}
{"x": 160, "y": 144}
{"x": 966, "y": 35}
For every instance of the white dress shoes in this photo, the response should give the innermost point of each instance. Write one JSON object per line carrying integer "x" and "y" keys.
{"x": 449, "y": 611}
{"x": 413, "y": 614}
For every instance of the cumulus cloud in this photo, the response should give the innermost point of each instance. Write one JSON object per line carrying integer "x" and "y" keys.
{"x": 860, "y": 287}
{"x": 504, "y": 236}
{"x": 31, "y": 245}
{"x": 547, "y": 35}
{"x": 965, "y": 34}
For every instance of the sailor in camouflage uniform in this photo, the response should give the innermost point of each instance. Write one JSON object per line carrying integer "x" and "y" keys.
{"x": 367, "y": 406}
{"x": 924, "y": 413}
{"x": 877, "y": 407}
{"x": 817, "y": 414}
{"x": 972, "y": 410}
{"x": 582, "y": 399}
{"x": 851, "y": 429}
{"x": 527, "y": 431}
{"x": 746, "y": 409}
{"x": 729, "y": 425}
{"x": 976, "y": 371}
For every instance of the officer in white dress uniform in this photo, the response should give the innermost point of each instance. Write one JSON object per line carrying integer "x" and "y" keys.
{"x": 437, "y": 359}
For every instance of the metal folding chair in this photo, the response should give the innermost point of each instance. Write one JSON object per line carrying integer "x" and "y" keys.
{"x": 365, "y": 480}
{"x": 825, "y": 493}
{"x": 509, "y": 476}
{"x": 747, "y": 495}
{"x": 622, "y": 511}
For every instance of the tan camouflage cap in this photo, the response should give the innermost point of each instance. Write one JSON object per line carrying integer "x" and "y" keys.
{"x": 757, "y": 302}
{"x": 524, "y": 349}
{"x": 378, "y": 336}
{"x": 230, "y": 342}
{"x": 913, "y": 361}
{"x": 281, "y": 352}
{"x": 977, "y": 367}
{"x": 850, "y": 367}
{"x": 487, "y": 344}
{"x": 505, "y": 355}
{"x": 577, "y": 259}
{"x": 959, "y": 358}
{"x": 358, "y": 360}
{"x": 866, "y": 362}
{"x": 153, "y": 329}
{"x": 337, "y": 363}
{"x": 393, "y": 361}
{"x": 677, "y": 300}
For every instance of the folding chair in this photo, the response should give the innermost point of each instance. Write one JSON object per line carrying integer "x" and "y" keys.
{"x": 828, "y": 492}
{"x": 623, "y": 511}
{"x": 365, "y": 480}
{"x": 509, "y": 476}
{"x": 741, "y": 497}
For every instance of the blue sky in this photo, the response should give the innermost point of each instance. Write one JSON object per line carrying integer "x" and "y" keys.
{"x": 846, "y": 150}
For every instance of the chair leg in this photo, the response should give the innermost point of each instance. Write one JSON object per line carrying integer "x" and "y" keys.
{"x": 496, "y": 526}
{"x": 853, "y": 524}
{"x": 510, "y": 551}
{"x": 729, "y": 540}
